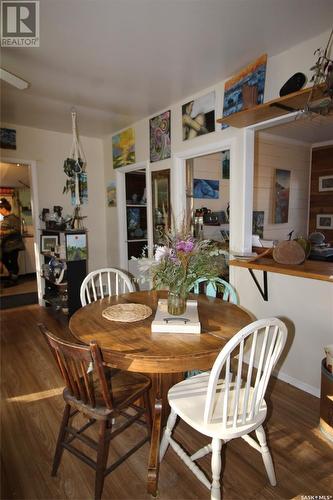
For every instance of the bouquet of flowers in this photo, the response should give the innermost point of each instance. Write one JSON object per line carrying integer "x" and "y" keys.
{"x": 182, "y": 260}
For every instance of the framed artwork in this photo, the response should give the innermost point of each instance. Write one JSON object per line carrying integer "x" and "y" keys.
{"x": 258, "y": 223}
{"x": 326, "y": 183}
{"x": 7, "y": 138}
{"x": 76, "y": 246}
{"x": 281, "y": 196}
{"x": 198, "y": 116}
{"x": 226, "y": 164}
{"x": 205, "y": 188}
{"x": 246, "y": 89}
{"x": 324, "y": 221}
{"x": 83, "y": 189}
{"x": 48, "y": 243}
{"x": 160, "y": 137}
{"x": 111, "y": 192}
{"x": 123, "y": 148}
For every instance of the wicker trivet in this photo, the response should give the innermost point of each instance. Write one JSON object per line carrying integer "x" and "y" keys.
{"x": 127, "y": 313}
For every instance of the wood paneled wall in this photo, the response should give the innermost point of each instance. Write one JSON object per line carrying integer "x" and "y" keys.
{"x": 321, "y": 202}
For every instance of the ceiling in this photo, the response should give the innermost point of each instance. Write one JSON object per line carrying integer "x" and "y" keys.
{"x": 311, "y": 129}
{"x": 14, "y": 175}
{"x": 117, "y": 61}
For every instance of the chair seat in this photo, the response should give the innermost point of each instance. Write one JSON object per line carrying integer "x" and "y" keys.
{"x": 188, "y": 399}
{"x": 126, "y": 387}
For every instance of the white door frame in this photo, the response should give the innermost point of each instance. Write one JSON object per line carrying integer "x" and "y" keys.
{"x": 32, "y": 165}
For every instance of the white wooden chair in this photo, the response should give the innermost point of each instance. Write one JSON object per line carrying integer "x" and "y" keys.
{"x": 104, "y": 282}
{"x": 215, "y": 285}
{"x": 223, "y": 405}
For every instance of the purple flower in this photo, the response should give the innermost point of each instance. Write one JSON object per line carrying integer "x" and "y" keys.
{"x": 185, "y": 246}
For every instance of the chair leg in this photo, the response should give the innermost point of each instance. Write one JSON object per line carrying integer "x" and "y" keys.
{"x": 167, "y": 433}
{"x": 102, "y": 457}
{"x": 61, "y": 437}
{"x": 216, "y": 469}
{"x": 266, "y": 456}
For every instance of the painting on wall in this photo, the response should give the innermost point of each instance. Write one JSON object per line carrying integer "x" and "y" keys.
{"x": 246, "y": 89}
{"x": 160, "y": 138}
{"x": 324, "y": 221}
{"x": 111, "y": 193}
{"x": 198, "y": 116}
{"x": 123, "y": 148}
{"x": 83, "y": 189}
{"x": 76, "y": 247}
{"x": 281, "y": 196}
{"x": 258, "y": 223}
{"x": 205, "y": 188}
{"x": 226, "y": 164}
{"x": 326, "y": 183}
{"x": 7, "y": 138}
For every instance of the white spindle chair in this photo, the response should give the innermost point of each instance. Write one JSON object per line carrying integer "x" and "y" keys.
{"x": 228, "y": 402}
{"x": 104, "y": 282}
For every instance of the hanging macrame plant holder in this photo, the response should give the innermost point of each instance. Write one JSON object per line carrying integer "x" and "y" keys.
{"x": 74, "y": 165}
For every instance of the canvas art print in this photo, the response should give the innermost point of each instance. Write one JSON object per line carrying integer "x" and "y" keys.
{"x": 258, "y": 223}
{"x": 7, "y": 138}
{"x": 111, "y": 194}
{"x": 123, "y": 148}
{"x": 226, "y": 164}
{"x": 198, "y": 116}
{"x": 246, "y": 89}
{"x": 160, "y": 140}
{"x": 205, "y": 188}
{"x": 76, "y": 245}
{"x": 83, "y": 189}
{"x": 281, "y": 199}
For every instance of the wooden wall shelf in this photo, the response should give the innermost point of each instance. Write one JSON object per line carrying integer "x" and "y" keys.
{"x": 272, "y": 109}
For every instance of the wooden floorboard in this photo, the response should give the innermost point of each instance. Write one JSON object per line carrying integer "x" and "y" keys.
{"x": 31, "y": 410}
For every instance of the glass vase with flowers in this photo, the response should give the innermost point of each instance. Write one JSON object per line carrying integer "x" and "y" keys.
{"x": 179, "y": 262}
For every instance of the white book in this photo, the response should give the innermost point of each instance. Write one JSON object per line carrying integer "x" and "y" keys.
{"x": 168, "y": 323}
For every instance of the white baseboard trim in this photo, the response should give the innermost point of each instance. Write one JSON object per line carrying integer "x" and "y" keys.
{"x": 297, "y": 383}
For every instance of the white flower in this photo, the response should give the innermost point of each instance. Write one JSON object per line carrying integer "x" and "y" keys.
{"x": 161, "y": 253}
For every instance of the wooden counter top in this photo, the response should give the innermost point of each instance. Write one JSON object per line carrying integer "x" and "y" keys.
{"x": 313, "y": 269}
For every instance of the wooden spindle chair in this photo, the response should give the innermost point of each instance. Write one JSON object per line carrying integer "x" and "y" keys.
{"x": 217, "y": 285}
{"x": 228, "y": 402}
{"x": 99, "y": 394}
{"x": 103, "y": 283}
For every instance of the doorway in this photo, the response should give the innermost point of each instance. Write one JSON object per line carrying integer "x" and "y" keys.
{"x": 15, "y": 188}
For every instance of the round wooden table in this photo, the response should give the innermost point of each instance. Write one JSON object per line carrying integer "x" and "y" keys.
{"x": 165, "y": 356}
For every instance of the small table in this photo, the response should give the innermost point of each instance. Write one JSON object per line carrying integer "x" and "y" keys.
{"x": 165, "y": 356}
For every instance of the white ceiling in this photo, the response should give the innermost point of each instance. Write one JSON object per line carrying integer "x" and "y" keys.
{"x": 118, "y": 61}
{"x": 13, "y": 175}
{"x": 312, "y": 129}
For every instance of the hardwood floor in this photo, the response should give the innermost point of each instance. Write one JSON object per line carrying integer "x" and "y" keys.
{"x": 31, "y": 412}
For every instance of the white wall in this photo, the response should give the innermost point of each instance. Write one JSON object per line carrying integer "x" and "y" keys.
{"x": 49, "y": 149}
{"x": 286, "y": 293}
{"x": 272, "y": 153}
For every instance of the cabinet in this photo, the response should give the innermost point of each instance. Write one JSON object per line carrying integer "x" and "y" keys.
{"x": 64, "y": 268}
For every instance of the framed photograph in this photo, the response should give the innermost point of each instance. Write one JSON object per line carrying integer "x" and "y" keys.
{"x": 48, "y": 242}
{"x": 326, "y": 183}
{"x": 76, "y": 246}
{"x": 324, "y": 221}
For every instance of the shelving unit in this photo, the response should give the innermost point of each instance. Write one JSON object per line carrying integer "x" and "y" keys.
{"x": 136, "y": 212}
{"x": 64, "y": 295}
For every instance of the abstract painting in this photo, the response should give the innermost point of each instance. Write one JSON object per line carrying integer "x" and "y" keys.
{"x": 246, "y": 89}
{"x": 205, "y": 188}
{"x": 258, "y": 223}
{"x": 111, "y": 193}
{"x": 198, "y": 116}
{"x": 123, "y": 148}
{"x": 226, "y": 164}
{"x": 160, "y": 140}
{"x": 7, "y": 138}
{"x": 281, "y": 196}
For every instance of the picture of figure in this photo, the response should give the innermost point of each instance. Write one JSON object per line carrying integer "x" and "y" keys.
{"x": 198, "y": 116}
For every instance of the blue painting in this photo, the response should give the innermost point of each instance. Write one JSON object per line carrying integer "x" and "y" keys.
{"x": 7, "y": 138}
{"x": 226, "y": 164}
{"x": 246, "y": 89}
{"x": 205, "y": 188}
